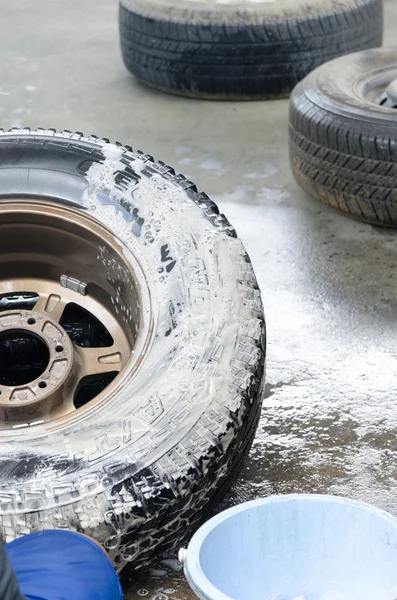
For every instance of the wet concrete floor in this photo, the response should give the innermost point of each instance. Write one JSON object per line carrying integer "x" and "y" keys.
{"x": 329, "y": 284}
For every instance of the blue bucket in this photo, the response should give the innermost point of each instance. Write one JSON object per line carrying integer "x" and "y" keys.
{"x": 298, "y": 546}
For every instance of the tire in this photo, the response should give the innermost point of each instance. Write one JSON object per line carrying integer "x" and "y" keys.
{"x": 343, "y": 136}
{"x": 238, "y": 49}
{"x": 139, "y": 470}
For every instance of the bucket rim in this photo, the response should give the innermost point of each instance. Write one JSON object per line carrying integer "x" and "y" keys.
{"x": 194, "y": 574}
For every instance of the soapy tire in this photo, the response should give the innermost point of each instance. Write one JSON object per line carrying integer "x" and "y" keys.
{"x": 343, "y": 144}
{"x": 241, "y": 50}
{"x": 141, "y": 472}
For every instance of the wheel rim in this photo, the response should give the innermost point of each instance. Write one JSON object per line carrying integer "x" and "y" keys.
{"x": 380, "y": 87}
{"x": 389, "y": 97}
{"x": 70, "y": 313}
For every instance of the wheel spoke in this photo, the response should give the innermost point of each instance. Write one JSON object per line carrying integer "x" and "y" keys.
{"x": 94, "y": 361}
{"x": 49, "y": 299}
{"x": 68, "y": 405}
{"x": 51, "y": 306}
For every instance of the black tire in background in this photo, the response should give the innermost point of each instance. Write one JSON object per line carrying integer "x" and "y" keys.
{"x": 241, "y": 49}
{"x": 142, "y": 468}
{"x": 343, "y": 135}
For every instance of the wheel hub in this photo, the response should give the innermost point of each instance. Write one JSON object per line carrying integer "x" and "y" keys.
{"x": 45, "y": 392}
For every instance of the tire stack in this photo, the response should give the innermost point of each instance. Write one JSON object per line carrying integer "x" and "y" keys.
{"x": 230, "y": 49}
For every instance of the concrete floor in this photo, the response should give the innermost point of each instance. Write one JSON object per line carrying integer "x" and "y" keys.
{"x": 329, "y": 284}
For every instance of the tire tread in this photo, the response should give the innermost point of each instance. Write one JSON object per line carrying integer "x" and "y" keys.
{"x": 261, "y": 59}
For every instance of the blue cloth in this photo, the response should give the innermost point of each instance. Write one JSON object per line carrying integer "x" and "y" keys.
{"x": 62, "y": 565}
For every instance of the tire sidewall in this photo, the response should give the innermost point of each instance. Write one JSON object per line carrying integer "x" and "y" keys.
{"x": 338, "y": 87}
